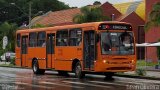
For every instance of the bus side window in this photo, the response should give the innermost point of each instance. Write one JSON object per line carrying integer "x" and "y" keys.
{"x": 62, "y": 38}
{"x": 32, "y": 39}
{"x": 41, "y": 39}
{"x": 75, "y": 37}
{"x": 18, "y": 40}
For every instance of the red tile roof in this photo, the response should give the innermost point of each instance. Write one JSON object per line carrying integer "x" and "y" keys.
{"x": 57, "y": 17}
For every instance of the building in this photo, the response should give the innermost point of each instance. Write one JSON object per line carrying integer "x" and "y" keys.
{"x": 152, "y": 35}
{"x": 135, "y": 13}
{"x": 63, "y": 17}
{"x": 66, "y": 16}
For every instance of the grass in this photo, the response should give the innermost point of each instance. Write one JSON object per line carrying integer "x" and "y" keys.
{"x": 7, "y": 65}
{"x": 141, "y": 63}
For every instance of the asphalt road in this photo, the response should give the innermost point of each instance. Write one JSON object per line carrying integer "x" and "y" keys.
{"x": 24, "y": 79}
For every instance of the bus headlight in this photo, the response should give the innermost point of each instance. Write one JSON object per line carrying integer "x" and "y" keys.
{"x": 132, "y": 61}
{"x": 104, "y": 61}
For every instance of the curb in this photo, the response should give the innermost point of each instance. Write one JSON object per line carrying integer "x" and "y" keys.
{"x": 153, "y": 70}
{"x": 10, "y": 67}
{"x": 15, "y": 67}
{"x": 139, "y": 77}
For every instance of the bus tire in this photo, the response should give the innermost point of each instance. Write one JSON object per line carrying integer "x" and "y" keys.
{"x": 36, "y": 69}
{"x": 78, "y": 71}
{"x": 109, "y": 75}
{"x": 42, "y": 71}
{"x": 63, "y": 73}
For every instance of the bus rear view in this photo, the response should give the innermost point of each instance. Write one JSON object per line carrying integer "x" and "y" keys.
{"x": 117, "y": 48}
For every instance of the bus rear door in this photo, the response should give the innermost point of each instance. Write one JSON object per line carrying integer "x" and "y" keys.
{"x": 18, "y": 50}
{"x": 50, "y": 50}
{"x": 24, "y": 50}
{"x": 89, "y": 49}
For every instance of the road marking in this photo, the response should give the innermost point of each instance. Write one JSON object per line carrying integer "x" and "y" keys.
{"x": 88, "y": 84}
{"x": 129, "y": 82}
{"x": 32, "y": 85}
{"x": 134, "y": 80}
{"x": 99, "y": 82}
{"x": 78, "y": 87}
{"x": 71, "y": 78}
{"x": 151, "y": 82}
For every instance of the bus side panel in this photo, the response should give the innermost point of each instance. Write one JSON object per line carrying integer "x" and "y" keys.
{"x": 38, "y": 53}
{"x": 63, "y": 65}
{"x": 100, "y": 66}
{"x": 65, "y": 56}
{"x": 29, "y": 61}
{"x": 42, "y": 63}
{"x": 18, "y": 56}
{"x": 32, "y": 53}
{"x": 98, "y": 59}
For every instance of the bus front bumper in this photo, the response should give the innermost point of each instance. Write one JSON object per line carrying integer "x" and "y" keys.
{"x": 114, "y": 67}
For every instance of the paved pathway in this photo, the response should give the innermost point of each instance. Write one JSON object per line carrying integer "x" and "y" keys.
{"x": 4, "y": 62}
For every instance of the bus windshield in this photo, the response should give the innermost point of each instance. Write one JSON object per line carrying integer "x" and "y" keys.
{"x": 117, "y": 43}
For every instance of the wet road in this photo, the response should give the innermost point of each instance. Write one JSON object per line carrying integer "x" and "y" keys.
{"x": 24, "y": 79}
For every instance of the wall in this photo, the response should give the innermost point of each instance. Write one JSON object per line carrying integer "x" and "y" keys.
{"x": 149, "y": 4}
{"x": 108, "y": 10}
{"x": 153, "y": 35}
{"x": 135, "y": 20}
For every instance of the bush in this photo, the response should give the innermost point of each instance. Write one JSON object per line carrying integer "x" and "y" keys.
{"x": 12, "y": 61}
{"x": 141, "y": 63}
{"x": 141, "y": 72}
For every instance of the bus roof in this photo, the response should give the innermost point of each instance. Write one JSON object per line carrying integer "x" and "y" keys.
{"x": 69, "y": 26}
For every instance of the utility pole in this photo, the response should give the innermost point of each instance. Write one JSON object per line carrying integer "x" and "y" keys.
{"x": 112, "y": 17}
{"x": 30, "y": 7}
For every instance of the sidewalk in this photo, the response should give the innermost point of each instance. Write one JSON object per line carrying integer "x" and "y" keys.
{"x": 1, "y": 63}
{"x": 151, "y": 73}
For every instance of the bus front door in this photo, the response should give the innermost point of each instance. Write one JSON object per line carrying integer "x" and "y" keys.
{"x": 24, "y": 51}
{"x": 50, "y": 50}
{"x": 89, "y": 49}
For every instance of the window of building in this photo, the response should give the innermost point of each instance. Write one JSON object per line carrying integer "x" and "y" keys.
{"x": 33, "y": 39}
{"x": 18, "y": 40}
{"x": 75, "y": 37}
{"x": 62, "y": 38}
{"x": 41, "y": 39}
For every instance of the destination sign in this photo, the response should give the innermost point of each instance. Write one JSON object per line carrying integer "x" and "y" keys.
{"x": 115, "y": 27}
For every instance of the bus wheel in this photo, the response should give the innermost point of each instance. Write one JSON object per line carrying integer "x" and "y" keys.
{"x": 63, "y": 73}
{"x": 42, "y": 71}
{"x": 36, "y": 69}
{"x": 109, "y": 75}
{"x": 78, "y": 71}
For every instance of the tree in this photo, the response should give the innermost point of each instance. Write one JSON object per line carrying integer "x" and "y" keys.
{"x": 90, "y": 15}
{"x": 154, "y": 17}
{"x": 9, "y": 30}
{"x": 17, "y": 11}
{"x": 97, "y": 3}
{"x": 39, "y": 26}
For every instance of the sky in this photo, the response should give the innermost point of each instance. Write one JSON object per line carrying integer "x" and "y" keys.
{"x": 80, "y": 3}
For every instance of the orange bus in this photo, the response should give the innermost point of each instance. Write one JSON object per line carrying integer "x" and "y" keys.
{"x": 98, "y": 47}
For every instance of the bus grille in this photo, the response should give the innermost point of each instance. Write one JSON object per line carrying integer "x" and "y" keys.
{"x": 119, "y": 68}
